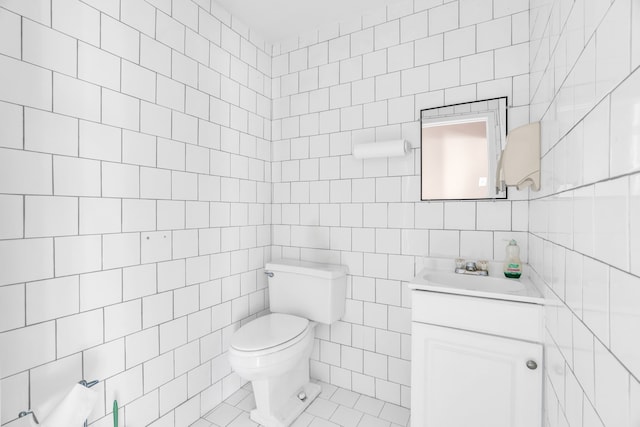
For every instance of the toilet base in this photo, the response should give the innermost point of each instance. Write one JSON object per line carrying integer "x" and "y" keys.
{"x": 290, "y": 410}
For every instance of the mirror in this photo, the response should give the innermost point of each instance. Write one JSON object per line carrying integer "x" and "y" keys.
{"x": 460, "y": 146}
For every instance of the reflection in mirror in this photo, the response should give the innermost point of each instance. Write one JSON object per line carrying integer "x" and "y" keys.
{"x": 460, "y": 146}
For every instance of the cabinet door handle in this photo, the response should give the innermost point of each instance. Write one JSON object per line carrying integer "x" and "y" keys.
{"x": 531, "y": 364}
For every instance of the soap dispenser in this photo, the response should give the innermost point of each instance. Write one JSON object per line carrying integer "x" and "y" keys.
{"x": 512, "y": 264}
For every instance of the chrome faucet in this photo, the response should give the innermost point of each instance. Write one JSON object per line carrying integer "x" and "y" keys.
{"x": 479, "y": 268}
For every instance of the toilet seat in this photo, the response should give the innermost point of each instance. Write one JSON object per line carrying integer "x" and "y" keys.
{"x": 269, "y": 334}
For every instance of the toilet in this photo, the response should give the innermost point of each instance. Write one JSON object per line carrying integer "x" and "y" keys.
{"x": 273, "y": 351}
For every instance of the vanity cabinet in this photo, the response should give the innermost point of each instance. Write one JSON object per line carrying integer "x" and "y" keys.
{"x": 475, "y": 361}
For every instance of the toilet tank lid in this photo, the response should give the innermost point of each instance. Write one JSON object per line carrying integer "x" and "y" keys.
{"x": 307, "y": 268}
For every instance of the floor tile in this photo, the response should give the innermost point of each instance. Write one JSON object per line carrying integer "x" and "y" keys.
{"x": 319, "y": 422}
{"x": 223, "y": 414}
{"x": 303, "y": 420}
{"x": 247, "y": 404}
{"x": 394, "y": 413}
{"x": 327, "y": 390}
{"x": 345, "y": 397}
{"x": 369, "y": 405}
{"x": 369, "y": 421}
{"x": 346, "y": 417}
{"x": 243, "y": 420}
{"x": 236, "y": 397}
{"x": 322, "y": 408}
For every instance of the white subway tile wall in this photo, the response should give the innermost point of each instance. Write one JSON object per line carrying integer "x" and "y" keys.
{"x": 583, "y": 242}
{"x": 135, "y": 209}
{"x": 367, "y": 80}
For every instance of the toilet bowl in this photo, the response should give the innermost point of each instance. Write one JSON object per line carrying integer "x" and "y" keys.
{"x": 273, "y": 351}
{"x": 267, "y": 346}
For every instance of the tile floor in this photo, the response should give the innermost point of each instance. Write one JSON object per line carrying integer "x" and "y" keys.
{"x": 334, "y": 407}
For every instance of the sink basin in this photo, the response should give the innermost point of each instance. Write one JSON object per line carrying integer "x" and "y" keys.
{"x": 474, "y": 283}
{"x": 437, "y": 276}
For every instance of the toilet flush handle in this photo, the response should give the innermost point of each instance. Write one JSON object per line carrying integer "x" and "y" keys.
{"x": 269, "y": 273}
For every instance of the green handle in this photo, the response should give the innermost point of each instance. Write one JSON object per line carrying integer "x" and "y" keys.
{"x": 115, "y": 413}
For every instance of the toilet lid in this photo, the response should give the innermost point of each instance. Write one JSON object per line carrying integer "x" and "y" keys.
{"x": 268, "y": 331}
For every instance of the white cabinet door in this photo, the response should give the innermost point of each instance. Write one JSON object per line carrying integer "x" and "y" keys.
{"x": 469, "y": 379}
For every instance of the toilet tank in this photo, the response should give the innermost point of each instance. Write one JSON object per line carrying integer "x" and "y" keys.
{"x": 312, "y": 290}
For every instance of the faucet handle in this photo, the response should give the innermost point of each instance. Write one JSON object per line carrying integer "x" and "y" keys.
{"x": 483, "y": 265}
{"x": 460, "y": 262}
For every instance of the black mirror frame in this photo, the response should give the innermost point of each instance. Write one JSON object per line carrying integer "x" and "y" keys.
{"x": 506, "y": 125}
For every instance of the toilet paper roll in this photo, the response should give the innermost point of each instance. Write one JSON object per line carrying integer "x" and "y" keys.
{"x": 73, "y": 409}
{"x": 370, "y": 150}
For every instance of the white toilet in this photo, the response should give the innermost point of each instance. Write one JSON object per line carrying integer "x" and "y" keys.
{"x": 273, "y": 351}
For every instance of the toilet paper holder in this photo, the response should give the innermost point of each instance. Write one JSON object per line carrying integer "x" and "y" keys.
{"x": 85, "y": 383}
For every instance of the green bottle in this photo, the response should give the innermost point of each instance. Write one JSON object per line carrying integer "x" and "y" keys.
{"x": 512, "y": 263}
